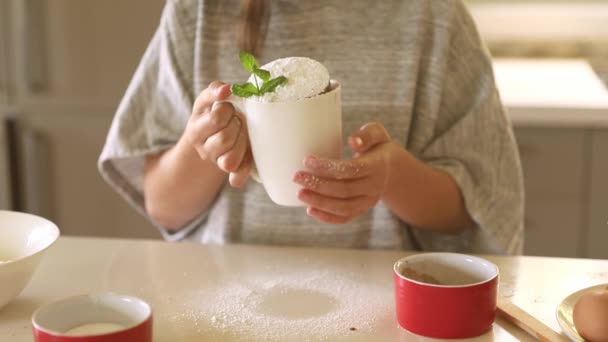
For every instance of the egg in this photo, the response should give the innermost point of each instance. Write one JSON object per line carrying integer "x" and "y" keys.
{"x": 590, "y": 316}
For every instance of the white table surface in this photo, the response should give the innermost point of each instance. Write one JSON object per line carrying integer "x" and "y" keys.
{"x": 251, "y": 293}
{"x": 551, "y": 92}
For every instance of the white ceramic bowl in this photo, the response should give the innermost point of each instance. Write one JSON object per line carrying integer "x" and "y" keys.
{"x": 23, "y": 240}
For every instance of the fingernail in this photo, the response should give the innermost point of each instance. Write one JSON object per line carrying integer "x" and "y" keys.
{"x": 309, "y": 181}
{"x": 215, "y": 104}
{"x": 218, "y": 91}
{"x": 311, "y": 161}
{"x": 309, "y": 211}
{"x": 298, "y": 177}
{"x": 365, "y": 126}
{"x": 221, "y": 162}
{"x": 358, "y": 141}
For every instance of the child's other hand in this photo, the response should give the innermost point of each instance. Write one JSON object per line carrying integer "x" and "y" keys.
{"x": 338, "y": 191}
{"x": 219, "y": 133}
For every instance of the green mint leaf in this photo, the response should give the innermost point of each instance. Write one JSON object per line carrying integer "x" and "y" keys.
{"x": 271, "y": 85}
{"x": 248, "y": 61}
{"x": 261, "y": 73}
{"x": 248, "y": 89}
{"x": 244, "y": 90}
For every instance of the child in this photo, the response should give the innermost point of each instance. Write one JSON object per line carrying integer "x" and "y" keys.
{"x": 436, "y": 161}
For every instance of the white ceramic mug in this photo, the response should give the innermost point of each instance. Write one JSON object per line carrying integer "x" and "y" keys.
{"x": 282, "y": 134}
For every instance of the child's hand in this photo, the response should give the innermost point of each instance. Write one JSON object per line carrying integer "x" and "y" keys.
{"x": 219, "y": 133}
{"x": 337, "y": 191}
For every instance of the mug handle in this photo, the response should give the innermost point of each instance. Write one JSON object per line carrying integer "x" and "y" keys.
{"x": 237, "y": 102}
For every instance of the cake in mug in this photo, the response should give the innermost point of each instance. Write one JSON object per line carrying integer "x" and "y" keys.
{"x": 305, "y": 78}
{"x": 282, "y": 80}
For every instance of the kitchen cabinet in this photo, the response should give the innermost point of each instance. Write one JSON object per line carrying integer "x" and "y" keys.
{"x": 566, "y": 184}
{"x": 559, "y": 110}
{"x": 5, "y": 188}
{"x": 5, "y": 85}
{"x": 554, "y": 162}
{"x": 64, "y": 66}
{"x": 78, "y": 51}
{"x": 597, "y": 238}
{"x": 61, "y": 182}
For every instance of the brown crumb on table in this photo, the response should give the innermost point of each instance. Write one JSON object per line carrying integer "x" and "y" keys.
{"x": 353, "y": 329}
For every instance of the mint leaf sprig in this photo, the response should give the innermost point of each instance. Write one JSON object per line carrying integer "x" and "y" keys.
{"x": 249, "y": 89}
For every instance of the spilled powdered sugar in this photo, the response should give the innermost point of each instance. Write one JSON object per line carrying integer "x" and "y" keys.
{"x": 308, "y": 305}
{"x": 312, "y": 182}
{"x": 341, "y": 168}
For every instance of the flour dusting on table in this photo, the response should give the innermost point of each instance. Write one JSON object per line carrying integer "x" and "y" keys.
{"x": 309, "y": 305}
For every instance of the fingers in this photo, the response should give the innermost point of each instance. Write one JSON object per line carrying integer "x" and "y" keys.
{"x": 350, "y": 207}
{"x": 239, "y": 177}
{"x": 336, "y": 188}
{"x": 223, "y": 141}
{"x": 219, "y": 133}
{"x": 368, "y": 136}
{"x": 216, "y": 91}
{"x": 212, "y": 122}
{"x": 325, "y": 217}
{"x": 338, "y": 169}
{"x": 232, "y": 159}
{"x": 221, "y": 136}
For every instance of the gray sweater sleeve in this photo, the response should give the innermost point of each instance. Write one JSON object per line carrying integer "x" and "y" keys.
{"x": 472, "y": 140}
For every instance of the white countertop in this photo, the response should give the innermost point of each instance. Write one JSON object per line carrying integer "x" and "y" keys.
{"x": 562, "y": 92}
{"x": 249, "y": 292}
{"x": 545, "y": 21}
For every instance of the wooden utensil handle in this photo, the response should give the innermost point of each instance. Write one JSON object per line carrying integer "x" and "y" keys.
{"x": 527, "y": 322}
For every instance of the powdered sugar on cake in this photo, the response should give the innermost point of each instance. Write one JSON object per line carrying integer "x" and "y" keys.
{"x": 305, "y": 78}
